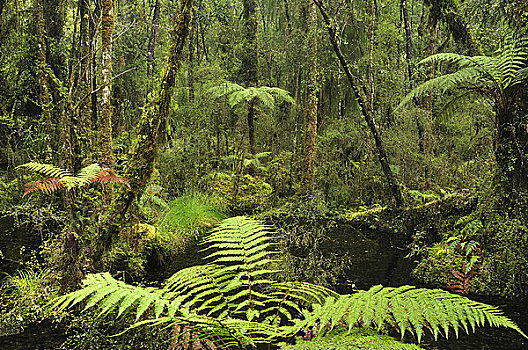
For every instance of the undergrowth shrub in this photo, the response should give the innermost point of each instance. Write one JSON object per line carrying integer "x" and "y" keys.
{"x": 23, "y": 296}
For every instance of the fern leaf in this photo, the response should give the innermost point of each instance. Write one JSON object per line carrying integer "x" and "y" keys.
{"x": 107, "y": 175}
{"x": 410, "y": 308}
{"x": 45, "y": 169}
{"x": 48, "y": 186}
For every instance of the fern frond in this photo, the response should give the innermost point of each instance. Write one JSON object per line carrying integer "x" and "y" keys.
{"x": 234, "y": 302}
{"x": 108, "y": 294}
{"x": 408, "y": 309}
{"x": 48, "y": 186}
{"x": 45, "y": 169}
{"x": 224, "y": 89}
{"x": 468, "y": 76}
{"x": 238, "y": 96}
{"x": 106, "y": 175}
{"x": 506, "y": 69}
{"x": 62, "y": 179}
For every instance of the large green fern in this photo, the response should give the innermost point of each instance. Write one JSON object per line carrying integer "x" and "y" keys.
{"x": 233, "y": 300}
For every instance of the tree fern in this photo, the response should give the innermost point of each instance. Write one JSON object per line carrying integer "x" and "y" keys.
{"x": 239, "y": 96}
{"x": 234, "y": 302}
{"x": 59, "y": 178}
{"x": 485, "y": 75}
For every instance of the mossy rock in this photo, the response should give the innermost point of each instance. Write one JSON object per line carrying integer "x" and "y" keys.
{"x": 239, "y": 192}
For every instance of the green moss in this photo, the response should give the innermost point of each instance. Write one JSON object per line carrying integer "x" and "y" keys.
{"x": 9, "y": 193}
{"x": 23, "y": 297}
{"x": 358, "y": 338}
{"x": 499, "y": 225}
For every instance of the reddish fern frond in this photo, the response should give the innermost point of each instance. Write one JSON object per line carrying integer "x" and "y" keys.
{"x": 48, "y": 186}
{"x": 108, "y": 175}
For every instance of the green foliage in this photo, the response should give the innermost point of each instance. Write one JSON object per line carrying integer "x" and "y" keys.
{"x": 185, "y": 218}
{"x": 478, "y": 74}
{"x": 150, "y": 204}
{"x": 233, "y": 301}
{"x": 458, "y": 251}
{"x": 9, "y": 193}
{"x": 425, "y": 196}
{"x": 22, "y": 299}
{"x": 505, "y": 244}
{"x": 408, "y": 309}
{"x": 190, "y": 213}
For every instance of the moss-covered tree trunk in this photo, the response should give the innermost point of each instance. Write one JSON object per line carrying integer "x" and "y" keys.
{"x": 152, "y": 123}
{"x": 249, "y": 63}
{"x": 310, "y": 115}
{"x": 44, "y": 93}
{"x": 84, "y": 121}
{"x": 511, "y": 147}
{"x": 106, "y": 156}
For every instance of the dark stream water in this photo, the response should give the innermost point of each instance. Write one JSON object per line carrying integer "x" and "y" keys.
{"x": 376, "y": 258}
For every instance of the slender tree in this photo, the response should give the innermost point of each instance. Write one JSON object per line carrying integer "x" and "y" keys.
{"x": 152, "y": 40}
{"x": 44, "y": 95}
{"x": 249, "y": 62}
{"x": 106, "y": 156}
{"x": 310, "y": 115}
{"x": 84, "y": 121}
{"x": 152, "y": 123}
{"x": 410, "y": 69}
{"x": 380, "y": 148}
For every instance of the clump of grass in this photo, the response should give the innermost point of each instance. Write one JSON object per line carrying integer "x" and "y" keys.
{"x": 187, "y": 217}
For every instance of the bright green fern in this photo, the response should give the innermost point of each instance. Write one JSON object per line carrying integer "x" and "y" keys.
{"x": 233, "y": 300}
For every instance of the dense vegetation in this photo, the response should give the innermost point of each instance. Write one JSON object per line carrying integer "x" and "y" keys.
{"x": 129, "y": 129}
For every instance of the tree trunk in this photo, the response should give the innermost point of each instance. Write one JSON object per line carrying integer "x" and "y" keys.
{"x": 94, "y": 20}
{"x": 310, "y": 117}
{"x": 84, "y": 126}
{"x": 152, "y": 40}
{"x": 382, "y": 155}
{"x": 190, "y": 74}
{"x": 410, "y": 70}
{"x": 371, "y": 34}
{"x": 106, "y": 156}
{"x": 153, "y": 121}
{"x": 249, "y": 63}
{"x": 44, "y": 94}
{"x": 510, "y": 150}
